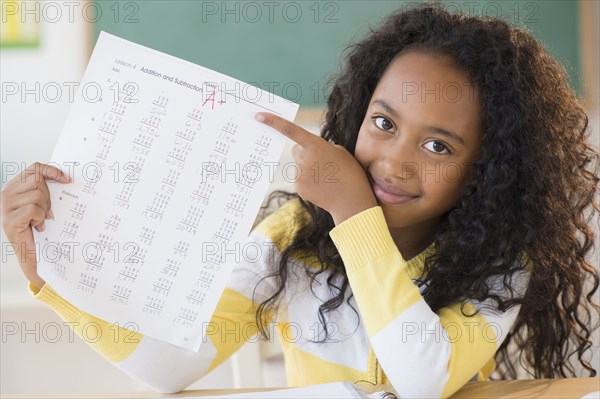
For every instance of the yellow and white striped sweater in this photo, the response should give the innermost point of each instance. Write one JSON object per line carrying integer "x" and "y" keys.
{"x": 394, "y": 339}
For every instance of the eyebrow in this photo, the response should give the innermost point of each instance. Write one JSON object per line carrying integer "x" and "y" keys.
{"x": 435, "y": 129}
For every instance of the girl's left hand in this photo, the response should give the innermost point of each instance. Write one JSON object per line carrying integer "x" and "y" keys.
{"x": 328, "y": 175}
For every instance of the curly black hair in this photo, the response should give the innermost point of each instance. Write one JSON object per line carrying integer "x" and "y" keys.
{"x": 529, "y": 192}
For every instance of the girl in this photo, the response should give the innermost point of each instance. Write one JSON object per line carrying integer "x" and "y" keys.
{"x": 447, "y": 222}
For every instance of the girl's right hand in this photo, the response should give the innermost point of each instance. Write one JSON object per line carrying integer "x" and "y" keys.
{"x": 26, "y": 203}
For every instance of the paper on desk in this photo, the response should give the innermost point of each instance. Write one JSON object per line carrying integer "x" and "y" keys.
{"x": 170, "y": 169}
{"x": 592, "y": 395}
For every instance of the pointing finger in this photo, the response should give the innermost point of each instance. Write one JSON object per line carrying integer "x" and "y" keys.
{"x": 287, "y": 128}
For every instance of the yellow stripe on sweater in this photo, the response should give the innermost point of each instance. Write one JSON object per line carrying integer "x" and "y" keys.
{"x": 395, "y": 292}
{"x": 303, "y": 368}
{"x": 232, "y": 325}
{"x": 473, "y": 342}
{"x": 110, "y": 340}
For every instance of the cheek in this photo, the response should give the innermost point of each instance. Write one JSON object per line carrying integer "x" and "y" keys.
{"x": 446, "y": 187}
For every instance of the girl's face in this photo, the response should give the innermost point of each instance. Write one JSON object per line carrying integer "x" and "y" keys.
{"x": 420, "y": 133}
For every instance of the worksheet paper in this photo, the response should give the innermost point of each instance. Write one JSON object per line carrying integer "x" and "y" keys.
{"x": 170, "y": 169}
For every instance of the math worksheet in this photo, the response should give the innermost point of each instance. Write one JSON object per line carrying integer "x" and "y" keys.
{"x": 169, "y": 170}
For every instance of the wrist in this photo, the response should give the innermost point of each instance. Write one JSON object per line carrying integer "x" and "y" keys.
{"x": 341, "y": 215}
{"x": 37, "y": 282}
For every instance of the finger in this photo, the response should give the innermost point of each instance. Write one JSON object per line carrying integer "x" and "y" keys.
{"x": 37, "y": 216}
{"x": 34, "y": 176}
{"x": 287, "y": 128}
{"x": 30, "y": 182}
{"x": 48, "y": 172}
{"x": 30, "y": 214}
{"x": 43, "y": 187}
{"x": 18, "y": 222}
{"x": 16, "y": 184}
{"x": 36, "y": 197}
{"x": 32, "y": 190}
{"x": 26, "y": 181}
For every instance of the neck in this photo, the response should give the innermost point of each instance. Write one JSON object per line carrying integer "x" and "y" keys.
{"x": 413, "y": 240}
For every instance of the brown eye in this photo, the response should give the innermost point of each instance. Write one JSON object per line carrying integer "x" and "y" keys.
{"x": 438, "y": 147}
{"x": 382, "y": 123}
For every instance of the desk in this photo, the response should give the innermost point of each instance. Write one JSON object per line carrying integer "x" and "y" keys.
{"x": 555, "y": 388}
{"x": 551, "y": 388}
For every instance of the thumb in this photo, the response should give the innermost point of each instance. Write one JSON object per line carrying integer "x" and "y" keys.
{"x": 61, "y": 178}
{"x": 64, "y": 178}
{"x": 52, "y": 173}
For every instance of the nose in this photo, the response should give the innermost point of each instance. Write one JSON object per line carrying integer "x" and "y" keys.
{"x": 397, "y": 162}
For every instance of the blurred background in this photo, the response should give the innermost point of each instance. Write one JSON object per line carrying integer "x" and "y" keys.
{"x": 288, "y": 48}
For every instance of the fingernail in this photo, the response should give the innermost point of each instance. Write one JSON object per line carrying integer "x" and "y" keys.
{"x": 260, "y": 117}
{"x": 50, "y": 214}
{"x": 42, "y": 227}
{"x": 67, "y": 178}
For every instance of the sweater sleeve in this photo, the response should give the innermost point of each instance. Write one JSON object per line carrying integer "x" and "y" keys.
{"x": 423, "y": 353}
{"x": 152, "y": 361}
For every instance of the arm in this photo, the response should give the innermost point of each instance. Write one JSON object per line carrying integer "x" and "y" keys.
{"x": 415, "y": 361}
{"x": 423, "y": 354}
{"x": 164, "y": 367}
{"x": 26, "y": 203}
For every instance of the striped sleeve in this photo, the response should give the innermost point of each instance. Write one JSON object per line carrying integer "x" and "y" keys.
{"x": 423, "y": 353}
{"x": 233, "y": 322}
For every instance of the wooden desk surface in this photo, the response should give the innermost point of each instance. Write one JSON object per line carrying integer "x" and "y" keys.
{"x": 555, "y": 388}
{"x": 552, "y": 388}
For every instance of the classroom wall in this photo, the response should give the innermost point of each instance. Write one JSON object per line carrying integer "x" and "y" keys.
{"x": 37, "y": 359}
{"x": 32, "y": 117}
{"x": 30, "y": 126}
{"x": 280, "y": 45}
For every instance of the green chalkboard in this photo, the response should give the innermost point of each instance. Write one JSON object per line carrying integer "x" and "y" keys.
{"x": 291, "y": 48}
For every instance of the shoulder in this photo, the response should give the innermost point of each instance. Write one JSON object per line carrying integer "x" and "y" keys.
{"x": 510, "y": 286}
{"x": 281, "y": 226}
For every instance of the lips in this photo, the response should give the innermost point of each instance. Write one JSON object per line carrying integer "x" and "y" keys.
{"x": 389, "y": 194}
